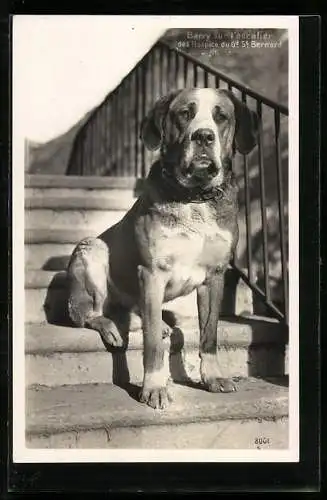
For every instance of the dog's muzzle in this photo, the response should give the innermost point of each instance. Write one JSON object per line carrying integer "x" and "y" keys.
{"x": 203, "y": 166}
{"x": 202, "y": 169}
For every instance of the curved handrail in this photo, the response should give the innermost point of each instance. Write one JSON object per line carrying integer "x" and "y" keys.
{"x": 243, "y": 88}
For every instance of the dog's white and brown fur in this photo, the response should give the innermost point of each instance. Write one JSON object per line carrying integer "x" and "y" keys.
{"x": 179, "y": 235}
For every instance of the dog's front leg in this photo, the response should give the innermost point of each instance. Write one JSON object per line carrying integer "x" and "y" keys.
{"x": 209, "y": 297}
{"x": 154, "y": 391}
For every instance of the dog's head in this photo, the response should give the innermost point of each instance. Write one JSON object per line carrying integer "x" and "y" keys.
{"x": 197, "y": 131}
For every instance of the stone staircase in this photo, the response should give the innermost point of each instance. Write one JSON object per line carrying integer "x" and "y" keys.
{"x": 81, "y": 395}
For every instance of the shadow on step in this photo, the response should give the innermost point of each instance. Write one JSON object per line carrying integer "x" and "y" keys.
{"x": 57, "y": 263}
{"x": 120, "y": 371}
{"x": 262, "y": 351}
{"x": 283, "y": 381}
{"x": 267, "y": 351}
{"x": 56, "y": 301}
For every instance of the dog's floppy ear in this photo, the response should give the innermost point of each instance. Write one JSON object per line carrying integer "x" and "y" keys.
{"x": 246, "y": 129}
{"x": 151, "y": 126}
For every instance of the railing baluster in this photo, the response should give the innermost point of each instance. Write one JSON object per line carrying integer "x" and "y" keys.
{"x": 95, "y": 156}
{"x": 206, "y": 79}
{"x": 143, "y": 111}
{"x": 217, "y": 82}
{"x": 185, "y": 72}
{"x": 86, "y": 147}
{"x": 119, "y": 131}
{"x": 273, "y": 309}
{"x": 106, "y": 136}
{"x": 123, "y": 127}
{"x": 78, "y": 156}
{"x": 169, "y": 66}
{"x": 195, "y": 75}
{"x": 130, "y": 99}
{"x": 165, "y": 73}
{"x": 101, "y": 140}
{"x": 161, "y": 73}
{"x": 247, "y": 211}
{"x": 137, "y": 124}
{"x": 152, "y": 69}
{"x": 156, "y": 75}
{"x": 91, "y": 149}
{"x": 125, "y": 138}
{"x": 115, "y": 163}
{"x": 75, "y": 161}
{"x": 176, "y": 70}
{"x": 281, "y": 213}
{"x": 263, "y": 202}
{"x": 88, "y": 152}
{"x": 151, "y": 98}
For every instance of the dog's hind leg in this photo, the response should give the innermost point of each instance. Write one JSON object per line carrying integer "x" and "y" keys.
{"x": 88, "y": 273}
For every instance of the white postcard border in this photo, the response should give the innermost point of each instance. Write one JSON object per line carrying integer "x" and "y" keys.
{"x": 23, "y": 454}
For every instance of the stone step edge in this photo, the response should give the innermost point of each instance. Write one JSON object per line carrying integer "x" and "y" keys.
{"x": 233, "y": 333}
{"x": 113, "y": 407}
{"x": 100, "y": 203}
{"x": 41, "y": 278}
{"x": 56, "y": 235}
{"x": 84, "y": 182}
{"x": 237, "y": 300}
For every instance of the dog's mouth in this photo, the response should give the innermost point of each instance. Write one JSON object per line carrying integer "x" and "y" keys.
{"x": 201, "y": 169}
{"x": 200, "y": 172}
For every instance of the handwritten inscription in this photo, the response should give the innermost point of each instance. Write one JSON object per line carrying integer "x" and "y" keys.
{"x": 259, "y": 441}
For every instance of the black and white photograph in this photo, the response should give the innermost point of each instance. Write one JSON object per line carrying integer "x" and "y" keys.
{"x": 155, "y": 238}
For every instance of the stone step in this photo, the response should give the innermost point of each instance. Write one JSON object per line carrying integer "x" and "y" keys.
{"x": 50, "y": 248}
{"x": 77, "y": 202}
{"x": 48, "y": 256}
{"x": 97, "y": 220}
{"x": 41, "y": 181}
{"x": 61, "y": 193}
{"x": 115, "y": 201}
{"x": 57, "y": 235}
{"x": 46, "y": 297}
{"x": 107, "y": 416}
{"x": 57, "y": 355}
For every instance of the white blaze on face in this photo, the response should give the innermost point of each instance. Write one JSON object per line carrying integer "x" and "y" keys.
{"x": 206, "y": 101}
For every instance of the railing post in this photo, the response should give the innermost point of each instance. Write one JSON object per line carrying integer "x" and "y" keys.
{"x": 144, "y": 69}
{"x": 169, "y": 66}
{"x": 247, "y": 211}
{"x": 137, "y": 127}
{"x": 118, "y": 132}
{"x": 263, "y": 203}
{"x": 206, "y": 78}
{"x": 195, "y": 75}
{"x": 125, "y": 127}
{"x": 176, "y": 70}
{"x": 281, "y": 213}
{"x": 185, "y": 72}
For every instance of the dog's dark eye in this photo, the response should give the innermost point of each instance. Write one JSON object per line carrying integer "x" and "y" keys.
{"x": 184, "y": 114}
{"x": 219, "y": 115}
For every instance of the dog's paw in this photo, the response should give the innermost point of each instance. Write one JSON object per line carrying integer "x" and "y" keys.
{"x": 157, "y": 397}
{"x": 107, "y": 329}
{"x": 219, "y": 385}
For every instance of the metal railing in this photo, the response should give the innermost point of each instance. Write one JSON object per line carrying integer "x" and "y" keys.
{"x": 109, "y": 144}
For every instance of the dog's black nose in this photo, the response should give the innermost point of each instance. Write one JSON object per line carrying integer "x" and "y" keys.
{"x": 203, "y": 136}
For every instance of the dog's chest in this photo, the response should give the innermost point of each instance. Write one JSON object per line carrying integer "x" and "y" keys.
{"x": 191, "y": 245}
